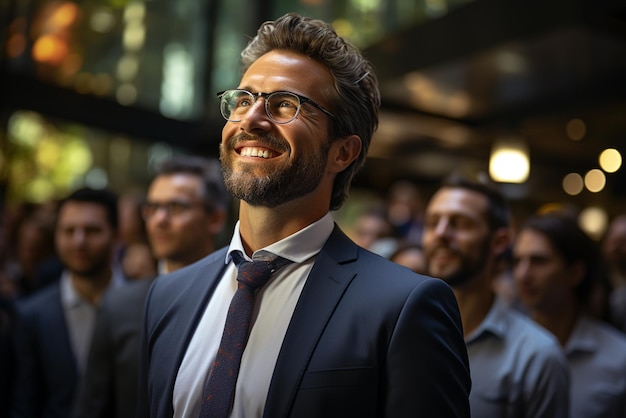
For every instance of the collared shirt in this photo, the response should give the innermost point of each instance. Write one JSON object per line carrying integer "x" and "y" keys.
{"x": 80, "y": 317}
{"x": 518, "y": 368}
{"x": 274, "y": 306}
{"x": 162, "y": 267}
{"x": 597, "y": 358}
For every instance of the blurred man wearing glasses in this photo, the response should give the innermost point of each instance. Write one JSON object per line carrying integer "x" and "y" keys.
{"x": 184, "y": 211}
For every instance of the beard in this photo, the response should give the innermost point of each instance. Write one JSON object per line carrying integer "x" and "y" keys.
{"x": 469, "y": 268}
{"x": 288, "y": 181}
{"x": 94, "y": 268}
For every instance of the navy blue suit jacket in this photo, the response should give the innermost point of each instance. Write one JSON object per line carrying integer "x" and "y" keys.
{"x": 368, "y": 338}
{"x": 46, "y": 373}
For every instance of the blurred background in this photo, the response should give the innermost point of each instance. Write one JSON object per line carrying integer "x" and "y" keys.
{"x": 530, "y": 93}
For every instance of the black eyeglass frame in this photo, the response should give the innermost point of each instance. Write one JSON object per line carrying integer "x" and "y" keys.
{"x": 302, "y": 99}
{"x": 172, "y": 208}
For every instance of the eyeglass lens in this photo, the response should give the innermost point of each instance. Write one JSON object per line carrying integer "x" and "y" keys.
{"x": 281, "y": 107}
{"x": 172, "y": 208}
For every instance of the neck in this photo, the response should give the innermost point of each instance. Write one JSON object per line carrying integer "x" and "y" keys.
{"x": 474, "y": 306}
{"x": 91, "y": 288}
{"x": 475, "y": 297}
{"x": 261, "y": 226}
{"x": 176, "y": 264}
{"x": 559, "y": 321}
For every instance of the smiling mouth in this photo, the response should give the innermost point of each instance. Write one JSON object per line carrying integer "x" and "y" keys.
{"x": 257, "y": 152}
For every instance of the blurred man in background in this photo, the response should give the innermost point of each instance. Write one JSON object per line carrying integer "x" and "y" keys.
{"x": 185, "y": 209}
{"x": 55, "y": 325}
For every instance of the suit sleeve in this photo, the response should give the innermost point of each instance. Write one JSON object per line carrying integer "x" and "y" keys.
{"x": 143, "y": 402}
{"x": 27, "y": 388}
{"x": 95, "y": 394}
{"x": 428, "y": 370}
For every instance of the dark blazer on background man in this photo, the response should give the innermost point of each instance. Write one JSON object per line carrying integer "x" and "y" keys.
{"x": 46, "y": 370}
{"x": 109, "y": 387}
{"x": 358, "y": 319}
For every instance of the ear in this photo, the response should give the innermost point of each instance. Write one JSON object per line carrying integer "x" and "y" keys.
{"x": 501, "y": 240}
{"x": 577, "y": 273}
{"x": 217, "y": 220}
{"x": 343, "y": 152}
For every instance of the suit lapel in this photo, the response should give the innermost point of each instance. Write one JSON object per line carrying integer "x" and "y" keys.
{"x": 329, "y": 278}
{"x": 197, "y": 285}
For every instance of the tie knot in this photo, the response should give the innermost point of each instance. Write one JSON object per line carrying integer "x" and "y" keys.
{"x": 256, "y": 273}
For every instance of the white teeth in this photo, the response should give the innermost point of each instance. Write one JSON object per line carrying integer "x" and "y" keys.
{"x": 255, "y": 152}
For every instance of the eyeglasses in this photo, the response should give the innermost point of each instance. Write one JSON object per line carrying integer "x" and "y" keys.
{"x": 280, "y": 106}
{"x": 172, "y": 208}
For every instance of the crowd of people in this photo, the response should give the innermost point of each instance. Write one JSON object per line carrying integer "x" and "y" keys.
{"x": 434, "y": 307}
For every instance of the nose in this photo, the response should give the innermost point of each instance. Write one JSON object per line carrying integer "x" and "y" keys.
{"x": 442, "y": 227}
{"x": 521, "y": 269}
{"x": 160, "y": 215}
{"x": 256, "y": 117}
{"x": 79, "y": 236}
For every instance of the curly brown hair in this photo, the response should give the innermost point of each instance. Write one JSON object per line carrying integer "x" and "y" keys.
{"x": 357, "y": 97}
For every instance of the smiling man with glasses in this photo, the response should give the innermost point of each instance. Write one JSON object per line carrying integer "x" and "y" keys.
{"x": 338, "y": 331}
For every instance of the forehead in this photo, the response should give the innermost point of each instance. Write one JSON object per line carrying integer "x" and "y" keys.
{"x": 457, "y": 201}
{"x": 171, "y": 186}
{"x": 530, "y": 242}
{"x": 287, "y": 70}
{"x": 72, "y": 213}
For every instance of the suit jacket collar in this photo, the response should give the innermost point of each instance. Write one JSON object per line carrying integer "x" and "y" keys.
{"x": 197, "y": 282}
{"x": 333, "y": 271}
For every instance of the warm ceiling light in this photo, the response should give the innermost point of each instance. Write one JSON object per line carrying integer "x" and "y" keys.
{"x": 595, "y": 180}
{"x": 49, "y": 49}
{"x": 594, "y": 221}
{"x": 610, "y": 160}
{"x": 576, "y": 129}
{"x": 573, "y": 184}
{"x": 509, "y": 162}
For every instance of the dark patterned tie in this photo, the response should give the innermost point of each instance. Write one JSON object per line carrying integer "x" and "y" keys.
{"x": 219, "y": 389}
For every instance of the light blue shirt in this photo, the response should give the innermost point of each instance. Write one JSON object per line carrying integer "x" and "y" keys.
{"x": 518, "y": 368}
{"x": 597, "y": 358}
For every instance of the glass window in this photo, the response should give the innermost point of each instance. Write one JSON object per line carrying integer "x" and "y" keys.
{"x": 48, "y": 158}
{"x": 151, "y": 54}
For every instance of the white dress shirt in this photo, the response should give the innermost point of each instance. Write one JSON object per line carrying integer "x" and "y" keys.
{"x": 274, "y": 306}
{"x": 80, "y": 317}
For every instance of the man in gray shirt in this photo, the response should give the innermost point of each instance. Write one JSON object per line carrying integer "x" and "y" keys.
{"x": 517, "y": 368}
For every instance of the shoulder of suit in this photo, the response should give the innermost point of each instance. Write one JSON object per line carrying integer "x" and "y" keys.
{"x": 40, "y": 299}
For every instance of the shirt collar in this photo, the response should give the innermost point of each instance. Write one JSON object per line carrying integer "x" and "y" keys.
{"x": 583, "y": 337}
{"x": 297, "y": 247}
{"x": 494, "y": 323}
{"x": 70, "y": 298}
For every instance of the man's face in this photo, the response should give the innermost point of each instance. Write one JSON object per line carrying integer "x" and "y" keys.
{"x": 456, "y": 237}
{"x": 294, "y": 155}
{"x": 542, "y": 276}
{"x": 184, "y": 233}
{"x": 84, "y": 238}
{"x": 614, "y": 245}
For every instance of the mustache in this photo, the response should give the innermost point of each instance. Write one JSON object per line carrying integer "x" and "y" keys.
{"x": 271, "y": 141}
{"x": 443, "y": 246}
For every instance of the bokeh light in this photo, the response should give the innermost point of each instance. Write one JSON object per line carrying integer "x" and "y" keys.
{"x": 610, "y": 160}
{"x": 595, "y": 180}
{"x": 573, "y": 184}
